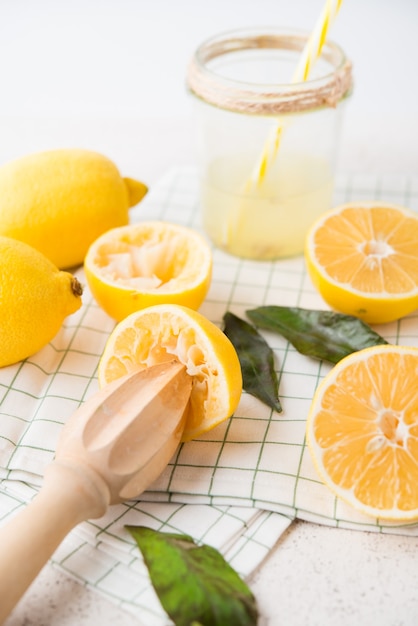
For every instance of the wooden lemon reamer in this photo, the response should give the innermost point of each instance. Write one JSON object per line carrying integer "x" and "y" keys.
{"x": 112, "y": 448}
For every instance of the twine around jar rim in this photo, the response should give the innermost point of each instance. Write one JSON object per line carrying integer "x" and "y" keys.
{"x": 241, "y": 97}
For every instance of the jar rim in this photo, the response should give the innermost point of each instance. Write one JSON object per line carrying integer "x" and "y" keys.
{"x": 267, "y": 98}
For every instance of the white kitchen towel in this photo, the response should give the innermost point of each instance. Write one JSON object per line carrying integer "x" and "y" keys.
{"x": 256, "y": 461}
{"x": 101, "y": 554}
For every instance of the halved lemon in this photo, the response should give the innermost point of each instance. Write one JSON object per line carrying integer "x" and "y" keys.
{"x": 363, "y": 259}
{"x": 139, "y": 265}
{"x": 362, "y": 431}
{"x": 161, "y": 332}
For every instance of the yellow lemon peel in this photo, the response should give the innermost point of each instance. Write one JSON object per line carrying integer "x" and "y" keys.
{"x": 60, "y": 201}
{"x": 139, "y": 265}
{"x": 161, "y": 332}
{"x": 35, "y": 298}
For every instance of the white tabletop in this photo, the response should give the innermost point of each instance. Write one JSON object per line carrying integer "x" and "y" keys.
{"x": 109, "y": 75}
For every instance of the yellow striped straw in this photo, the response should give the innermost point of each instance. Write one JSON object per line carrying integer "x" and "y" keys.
{"x": 310, "y": 54}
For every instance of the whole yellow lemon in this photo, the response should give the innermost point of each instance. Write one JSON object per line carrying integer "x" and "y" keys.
{"x": 60, "y": 201}
{"x": 35, "y": 298}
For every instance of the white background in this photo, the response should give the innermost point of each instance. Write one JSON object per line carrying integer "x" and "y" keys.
{"x": 110, "y": 75}
{"x": 68, "y": 67}
{"x": 128, "y": 57}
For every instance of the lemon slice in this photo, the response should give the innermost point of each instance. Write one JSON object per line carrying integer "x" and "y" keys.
{"x": 363, "y": 259}
{"x": 164, "y": 331}
{"x": 140, "y": 265}
{"x": 362, "y": 431}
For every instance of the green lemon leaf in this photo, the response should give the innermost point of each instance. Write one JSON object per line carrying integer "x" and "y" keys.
{"x": 194, "y": 583}
{"x": 324, "y": 335}
{"x": 256, "y": 359}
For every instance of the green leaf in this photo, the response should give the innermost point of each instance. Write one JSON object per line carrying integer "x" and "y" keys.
{"x": 324, "y": 335}
{"x": 256, "y": 359}
{"x": 194, "y": 583}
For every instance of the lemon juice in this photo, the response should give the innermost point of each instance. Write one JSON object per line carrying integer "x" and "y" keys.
{"x": 269, "y": 220}
{"x": 266, "y": 145}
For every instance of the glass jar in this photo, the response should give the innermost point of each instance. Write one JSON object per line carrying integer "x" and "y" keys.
{"x": 266, "y": 146}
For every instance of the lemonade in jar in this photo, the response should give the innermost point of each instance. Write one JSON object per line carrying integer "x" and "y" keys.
{"x": 267, "y": 147}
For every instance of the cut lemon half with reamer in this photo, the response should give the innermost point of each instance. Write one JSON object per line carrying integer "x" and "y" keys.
{"x": 362, "y": 431}
{"x": 161, "y": 332}
{"x": 363, "y": 259}
{"x": 140, "y": 265}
